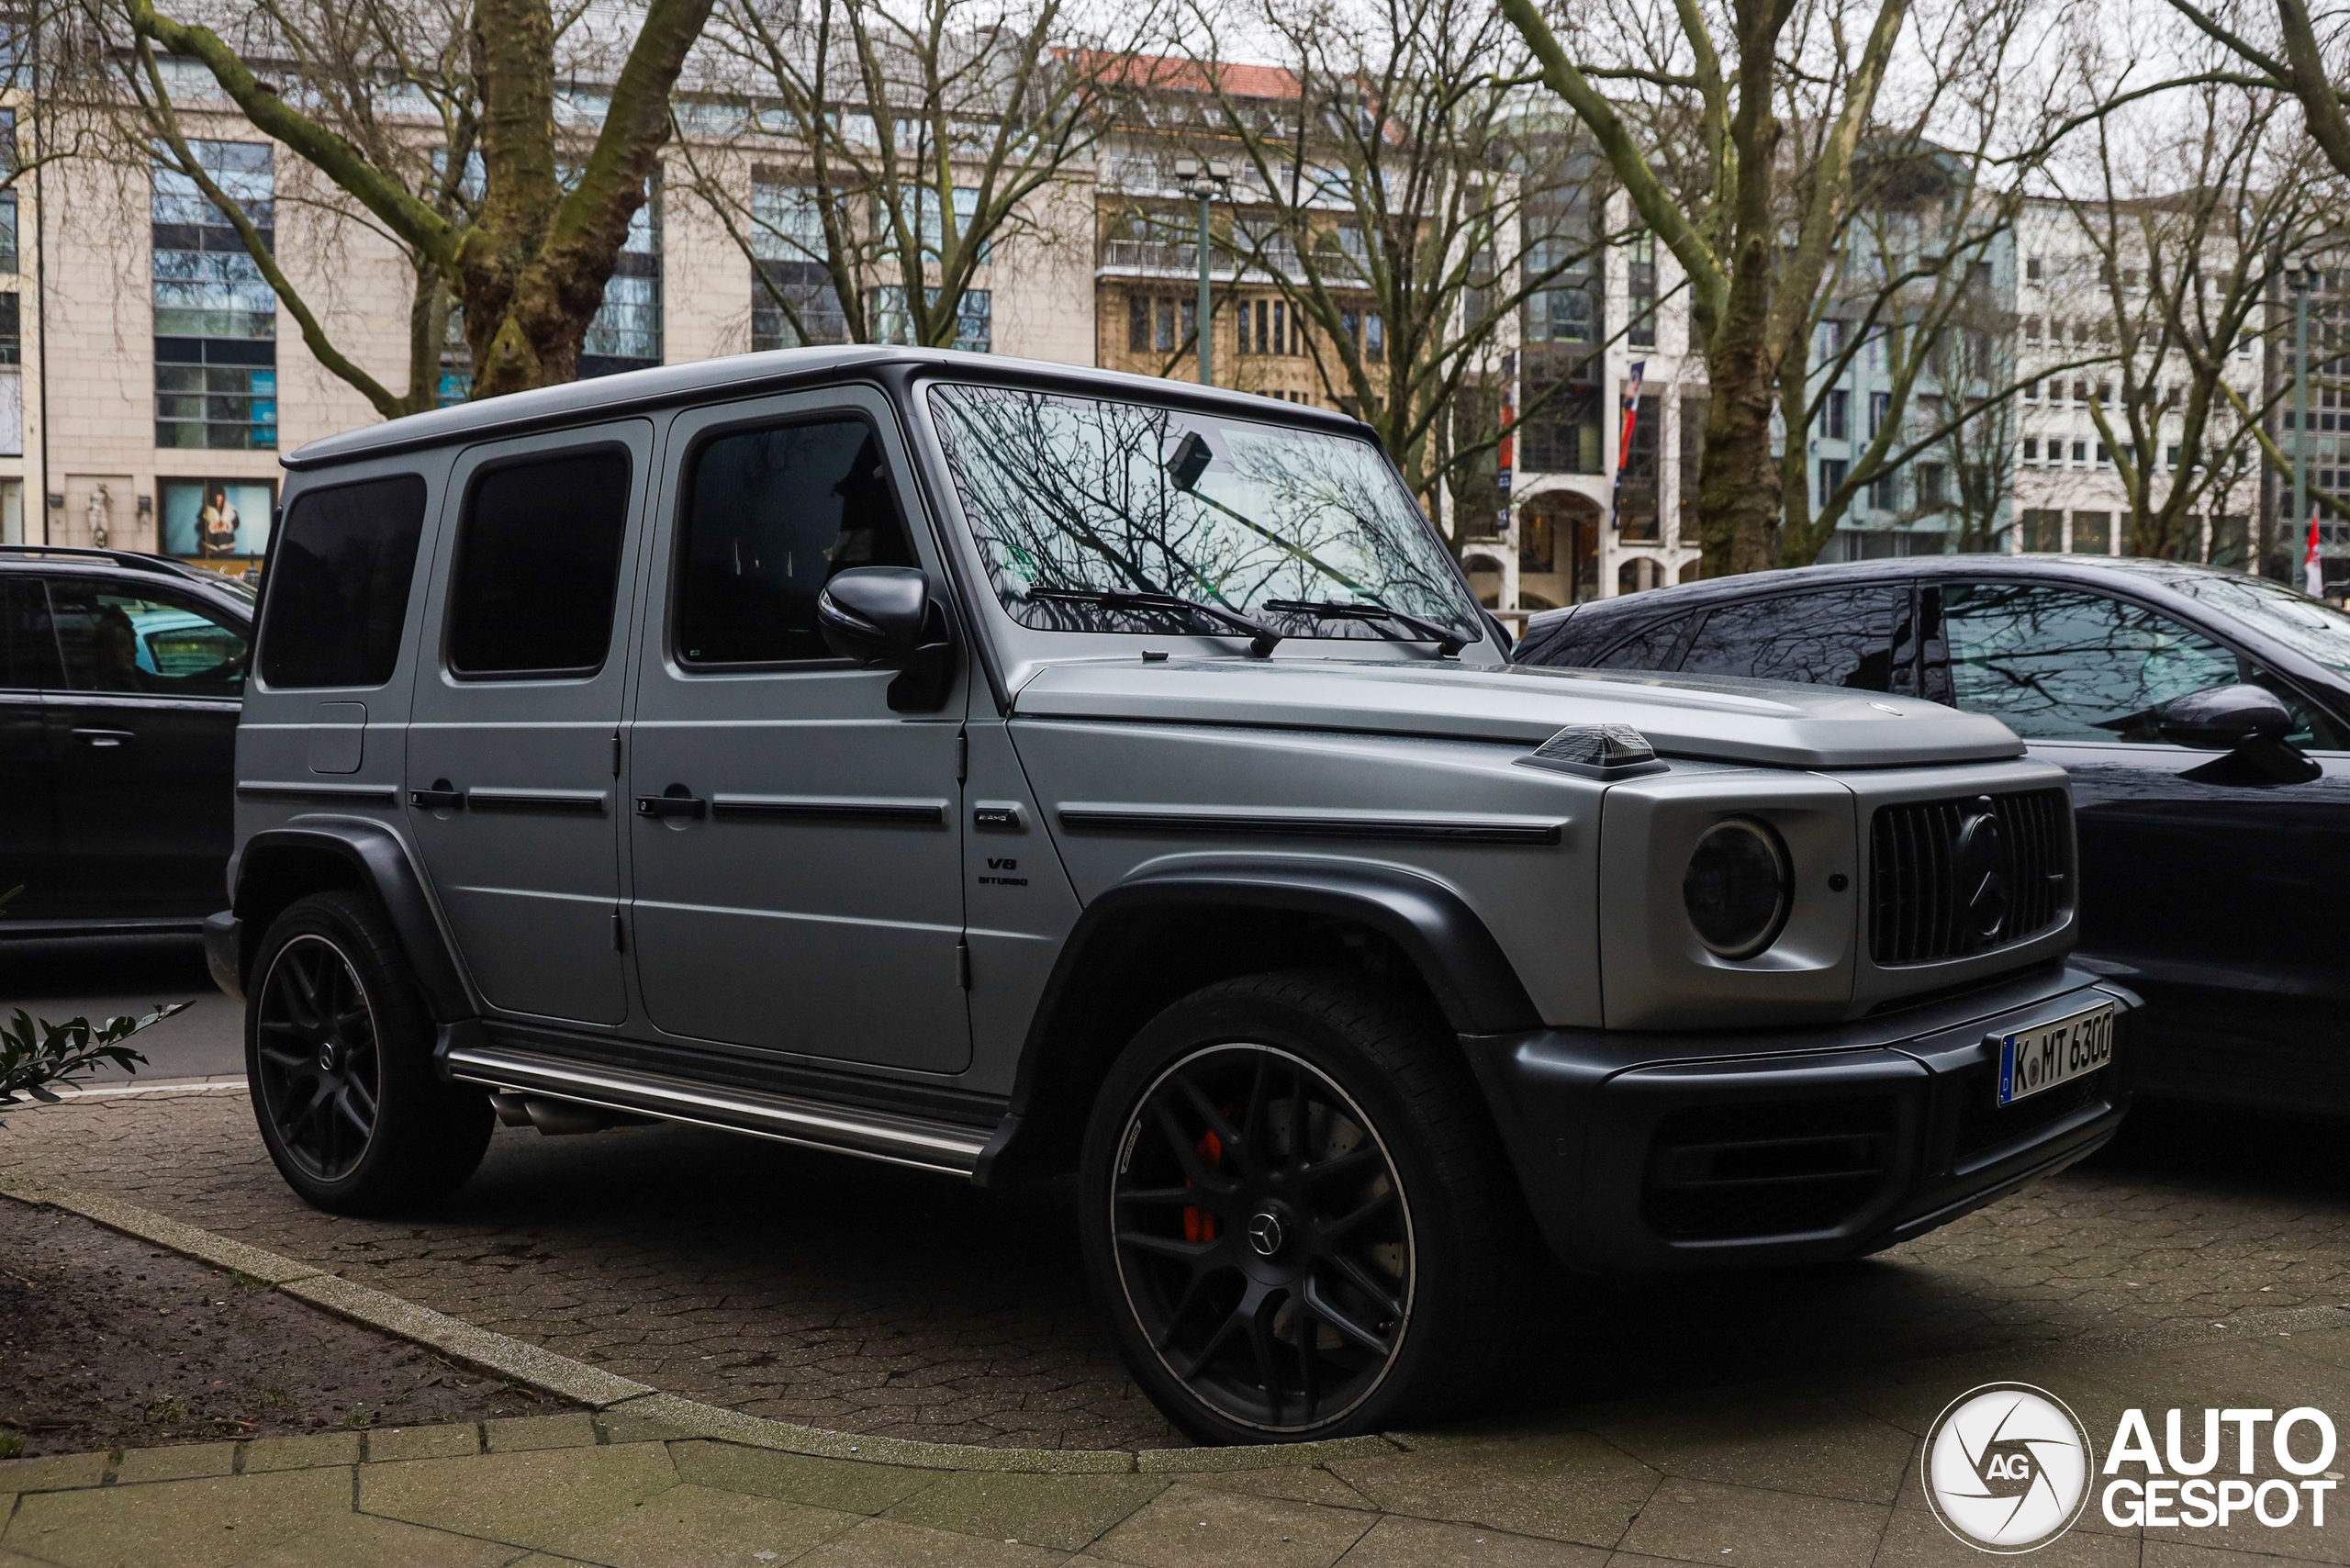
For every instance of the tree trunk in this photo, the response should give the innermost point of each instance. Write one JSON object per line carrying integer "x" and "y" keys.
{"x": 1738, "y": 479}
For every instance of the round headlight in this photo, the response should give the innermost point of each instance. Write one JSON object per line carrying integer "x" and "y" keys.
{"x": 1737, "y": 888}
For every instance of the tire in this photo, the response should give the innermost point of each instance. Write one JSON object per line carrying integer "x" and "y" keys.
{"x": 1258, "y": 1296}
{"x": 338, "y": 1056}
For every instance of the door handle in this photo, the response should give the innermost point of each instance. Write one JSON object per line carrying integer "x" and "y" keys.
{"x": 440, "y": 798}
{"x": 103, "y": 739}
{"x": 674, "y": 802}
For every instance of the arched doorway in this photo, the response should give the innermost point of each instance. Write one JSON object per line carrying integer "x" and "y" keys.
{"x": 1690, "y": 569}
{"x": 1639, "y": 575}
{"x": 1557, "y": 547}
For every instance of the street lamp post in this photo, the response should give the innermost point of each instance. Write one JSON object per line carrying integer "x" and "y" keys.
{"x": 1204, "y": 183}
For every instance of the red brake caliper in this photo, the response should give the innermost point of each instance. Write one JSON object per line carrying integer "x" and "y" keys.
{"x": 1199, "y": 1224}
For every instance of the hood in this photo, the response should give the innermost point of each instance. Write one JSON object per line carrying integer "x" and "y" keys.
{"x": 1714, "y": 718}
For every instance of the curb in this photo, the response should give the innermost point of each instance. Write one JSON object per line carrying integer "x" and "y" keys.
{"x": 629, "y": 1411}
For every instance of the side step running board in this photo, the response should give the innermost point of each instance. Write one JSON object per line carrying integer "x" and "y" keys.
{"x": 948, "y": 1147}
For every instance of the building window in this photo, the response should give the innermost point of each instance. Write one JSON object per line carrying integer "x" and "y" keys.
{"x": 2092, "y": 533}
{"x": 2032, "y": 265}
{"x": 1880, "y": 412}
{"x": 1559, "y": 431}
{"x": 2044, "y": 530}
{"x": 626, "y": 333}
{"x": 786, "y": 241}
{"x": 974, "y": 319}
{"x": 2030, "y": 448}
{"x": 1640, "y": 287}
{"x": 2032, "y": 329}
{"x": 1932, "y": 484}
{"x": 1835, "y": 415}
{"x": 1884, "y": 491}
{"x": 2080, "y": 453}
{"x": 1832, "y": 478}
{"x": 1568, "y": 310}
{"x": 2231, "y": 541}
{"x": 220, "y": 520}
{"x": 2173, "y": 454}
{"x": 216, "y": 319}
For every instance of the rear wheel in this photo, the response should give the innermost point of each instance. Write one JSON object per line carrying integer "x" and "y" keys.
{"x": 1293, "y": 1214}
{"x": 339, "y": 1058}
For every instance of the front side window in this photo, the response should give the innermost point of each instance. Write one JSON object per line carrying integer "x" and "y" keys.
{"x": 2061, "y": 664}
{"x": 772, "y": 516}
{"x": 338, "y": 585}
{"x": 145, "y": 643}
{"x": 1088, "y": 495}
{"x": 1836, "y": 638}
{"x": 1652, "y": 647}
{"x": 539, "y": 567}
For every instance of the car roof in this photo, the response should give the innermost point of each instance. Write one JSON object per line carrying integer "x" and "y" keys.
{"x": 736, "y": 376}
{"x": 2131, "y": 572}
{"x": 123, "y": 566}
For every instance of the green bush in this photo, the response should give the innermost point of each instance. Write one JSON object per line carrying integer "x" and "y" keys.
{"x": 37, "y": 1054}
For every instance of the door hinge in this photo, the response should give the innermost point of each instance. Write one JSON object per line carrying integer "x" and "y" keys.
{"x": 620, "y": 933}
{"x": 962, "y": 757}
{"x": 963, "y": 963}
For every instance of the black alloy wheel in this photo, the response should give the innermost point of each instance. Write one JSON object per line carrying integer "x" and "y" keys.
{"x": 320, "y": 1079}
{"x": 339, "y": 1056}
{"x": 1264, "y": 1238}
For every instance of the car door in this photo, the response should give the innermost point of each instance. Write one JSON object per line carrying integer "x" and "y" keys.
{"x": 2215, "y": 894}
{"x": 141, "y": 746}
{"x": 513, "y": 751}
{"x": 796, "y": 852}
{"x": 29, "y": 667}
{"x": 1854, "y": 635}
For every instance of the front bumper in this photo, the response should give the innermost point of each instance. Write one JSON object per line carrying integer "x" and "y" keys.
{"x": 224, "y": 952}
{"x": 1645, "y": 1153}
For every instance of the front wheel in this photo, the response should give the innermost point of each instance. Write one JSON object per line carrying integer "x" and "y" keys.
{"x": 1295, "y": 1216}
{"x": 338, "y": 1058}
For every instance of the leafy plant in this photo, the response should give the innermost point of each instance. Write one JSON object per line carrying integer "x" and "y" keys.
{"x": 36, "y": 1054}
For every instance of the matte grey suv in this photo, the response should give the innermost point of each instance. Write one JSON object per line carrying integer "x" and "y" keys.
{"x": 1009, "y": 770}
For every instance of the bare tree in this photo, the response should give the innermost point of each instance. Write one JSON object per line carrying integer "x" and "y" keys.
{"x": 1753, "y": 138}
{"x": 891, "y": 151}
{"x": 441, "y": 123}
{"x": 1406, "y": 202}
{"x": 2187, "y": 223}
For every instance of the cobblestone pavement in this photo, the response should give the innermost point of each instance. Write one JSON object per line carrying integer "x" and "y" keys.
{"x": 856, "y": 1296}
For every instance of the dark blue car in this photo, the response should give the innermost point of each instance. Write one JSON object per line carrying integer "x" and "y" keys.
{"x": 2204, "y": 717}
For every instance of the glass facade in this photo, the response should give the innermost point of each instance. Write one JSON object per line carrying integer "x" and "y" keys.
{"x": 216, "y": 319}
{"x": 626, "y": 333}
{"x": 787, "y": 238}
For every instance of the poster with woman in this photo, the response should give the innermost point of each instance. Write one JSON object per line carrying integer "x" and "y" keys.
{"x": 215, "y": 520}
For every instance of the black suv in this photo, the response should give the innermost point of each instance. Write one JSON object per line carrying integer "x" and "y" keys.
{"x": 121, "y": 676}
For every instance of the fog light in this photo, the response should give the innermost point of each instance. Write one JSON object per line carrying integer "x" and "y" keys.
{"x": 1737, "y": 888}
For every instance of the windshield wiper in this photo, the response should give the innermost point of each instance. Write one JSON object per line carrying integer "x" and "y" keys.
{"x": 1447, "y": 642}
{"x": 1262, "y": 637}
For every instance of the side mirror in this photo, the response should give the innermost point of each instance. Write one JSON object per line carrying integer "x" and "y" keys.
{"x": 875, "y": 616}
{"x": 2221, "y": 718}
{"x": 883, "y": 618}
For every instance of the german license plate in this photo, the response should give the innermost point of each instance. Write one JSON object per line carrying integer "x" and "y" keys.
{"x": 2034, "y": 1059}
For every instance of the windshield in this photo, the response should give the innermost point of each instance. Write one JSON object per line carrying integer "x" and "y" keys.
{"x": 2308, "y": 626}
{"x": 1089, "y": 495}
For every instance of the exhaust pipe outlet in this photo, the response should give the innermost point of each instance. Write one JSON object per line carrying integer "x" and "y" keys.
{"x": 557, "y": 1118}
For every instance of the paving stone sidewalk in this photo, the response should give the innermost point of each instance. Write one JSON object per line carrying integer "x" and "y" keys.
{"x": 1823, "y": 1475}
{"x": 843, "y": 1294}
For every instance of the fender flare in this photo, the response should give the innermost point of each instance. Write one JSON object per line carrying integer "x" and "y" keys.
{"x": 1444, "y": 941}
{"x": 380, "y": 861}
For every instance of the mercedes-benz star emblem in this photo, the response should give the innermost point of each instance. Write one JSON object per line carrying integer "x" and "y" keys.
{"x": 1265, "y": 1234}
{"x": 1978, "y": 858}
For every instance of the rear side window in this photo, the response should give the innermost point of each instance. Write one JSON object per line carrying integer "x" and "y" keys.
{"x": 1833, "y": 637}
{"x": 539, "y": 566}
{"x": 1652, "y": 647}
{"x": 773, "y": 516}
{"x": 339, "y": 582}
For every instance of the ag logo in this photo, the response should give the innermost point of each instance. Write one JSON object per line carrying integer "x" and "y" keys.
{"x": 2006, "y": 1467}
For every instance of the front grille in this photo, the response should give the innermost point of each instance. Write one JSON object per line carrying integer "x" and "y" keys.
{"x": 1725, "y": 1172}
{"x": 1917, "y": 909}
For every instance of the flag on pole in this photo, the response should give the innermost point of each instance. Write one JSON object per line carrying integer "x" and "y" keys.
{"x": 1624, "y": 439}
{"x": 2312, "y": 570}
